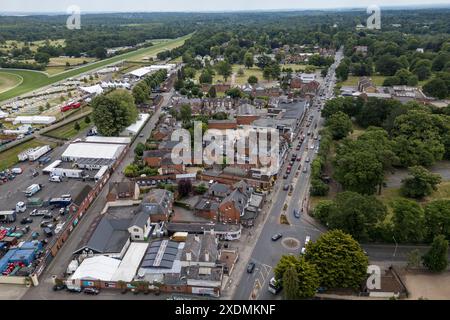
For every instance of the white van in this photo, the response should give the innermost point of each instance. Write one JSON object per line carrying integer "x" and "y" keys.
{"x": 16, "y": 170}
{"x": 55, "y": 179}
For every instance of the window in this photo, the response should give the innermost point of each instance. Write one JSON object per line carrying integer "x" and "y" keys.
{"x": 137, "y": 236}
{"x": 136, "y": 230}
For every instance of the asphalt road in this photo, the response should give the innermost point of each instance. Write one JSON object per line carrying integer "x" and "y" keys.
{"x": 266, "y": 253}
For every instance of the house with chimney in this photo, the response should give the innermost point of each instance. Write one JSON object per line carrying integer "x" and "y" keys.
{"x": 158, "y": 204}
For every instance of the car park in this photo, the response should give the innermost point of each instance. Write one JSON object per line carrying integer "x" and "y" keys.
{"x": 251, "y": 267}
{"x": 276, "y": 236}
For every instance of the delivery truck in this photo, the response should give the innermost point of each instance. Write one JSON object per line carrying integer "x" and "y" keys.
{"x": 33, "y": 189}
{"x": 7, "y": 216}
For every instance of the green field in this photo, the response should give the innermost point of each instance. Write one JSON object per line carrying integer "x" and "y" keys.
{"x": 68, "y": 131}
{"x": 353, "y": 81}
{"x": 33, "y": 80}
{"x": 8, "y": 158}
{"x": 9, "y": 81}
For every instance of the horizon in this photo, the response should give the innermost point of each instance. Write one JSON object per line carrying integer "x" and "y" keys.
{"x": 399, "y": 4}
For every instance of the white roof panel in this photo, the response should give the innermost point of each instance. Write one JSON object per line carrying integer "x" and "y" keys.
{"x": 97, "y": 268}
{"x": 130, "y": 262}
{"x": 93, "y": 151}
{"x": 100, "y": 139}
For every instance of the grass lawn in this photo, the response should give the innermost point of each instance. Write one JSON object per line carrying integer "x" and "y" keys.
{"x": 254, "y": 71}
{"x": 68, "y": 131}
{"x": 9, "y": 158}
{"x": 353, "y": 80}
{"x": 33, "y": 80}
{"x": 8, "y": 81}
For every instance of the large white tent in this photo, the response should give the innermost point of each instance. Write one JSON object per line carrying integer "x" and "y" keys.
{"x": 96, "y": 268}
{"x": 81, "y": 150}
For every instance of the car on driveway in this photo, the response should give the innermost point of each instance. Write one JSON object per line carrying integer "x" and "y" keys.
{"x": 251, "y": 267}
{"x": 276, "y": 236}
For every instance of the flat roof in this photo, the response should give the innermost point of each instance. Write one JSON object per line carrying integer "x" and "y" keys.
{"x": 130, "y": 262}
{"x": 135, "y": 127}
{"x": 93, "y": 150}
{"x": 99, "y": 139}
{"x": 97, "y": 268}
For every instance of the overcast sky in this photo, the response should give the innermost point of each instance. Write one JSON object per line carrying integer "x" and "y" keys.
{"x": 194, "y": 5}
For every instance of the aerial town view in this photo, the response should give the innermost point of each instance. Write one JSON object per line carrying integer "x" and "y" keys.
{"x": 225, "y": 151}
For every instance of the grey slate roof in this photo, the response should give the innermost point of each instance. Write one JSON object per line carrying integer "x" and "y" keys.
{"x": 200, "y": 245}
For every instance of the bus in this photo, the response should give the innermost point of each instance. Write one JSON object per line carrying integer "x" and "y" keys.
{"x": 60, "y": 202}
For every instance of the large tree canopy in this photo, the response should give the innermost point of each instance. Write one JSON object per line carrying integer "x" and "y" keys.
{"x": 113, "y": 112}
{"x": 339, "y": 259}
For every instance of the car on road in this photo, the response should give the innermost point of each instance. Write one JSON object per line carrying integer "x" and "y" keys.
{"x": 38, "y": 213}
{"x": 308, "y": 239}
{"x": 307, "y": 160}
{"x": 285, "y": 176}
{"x": 296, "y": 214}
{"x": 298, "y": 148}
{"x": 276, "y": 236}
{"x": 141, "y": 135}
{"x": 312, "y": 147}
{"x": 59, "y": 287}
{"x": 26, "y": 221}
{"x": 286, "y": 187}
{"x": 305, "y": 169}
{"x": 250, "y": 267}
{"x": 91, "y": 291}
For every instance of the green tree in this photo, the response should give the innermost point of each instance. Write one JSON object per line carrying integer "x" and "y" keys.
{"x": 408, "y": 221}
{"x": 356, "y": 214}
{"x": 206, "y": 77}
{"x": 186, "y": 113}
{"x": 421, "y": 183}
{"x": 436, "y": 88}
{"x": 437, "y": 218}
{"x": 340, "y": 125}
{"x": 339, "y": 260}
{"x": 436, "y": 259}
{"x": 139, "y": 150}
{"x": 212, "y": 92}
{"x": 141, "y": 93}
{"x": 87, "y": 120}
{"x": 248, "y": 60}
{"x": 359, "y": 170}
{"x": 291, "y": 286}
{"x": 113, "y": 112}
{"x": 252, "y": 80}
{"x": 42, "y": 57}
{"x": 76, "y": 126}
{"x": 224, "y": 69}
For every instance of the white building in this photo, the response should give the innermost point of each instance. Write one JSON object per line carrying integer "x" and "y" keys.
{"x": 116, "y": 140}
{"x": 34, "y": 120}
{"x": 80, "y": 150}
{"x": 307, "y": 77}
{"x": 94, "y": 90}
{"x": 136, "y": 127}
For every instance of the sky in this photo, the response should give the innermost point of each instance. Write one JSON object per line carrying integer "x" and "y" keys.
{"x": 195, "y": 5}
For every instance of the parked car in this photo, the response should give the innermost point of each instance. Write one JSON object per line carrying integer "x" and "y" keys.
{"x": 276, "y": 236}
{"x": 26, "y": 220}
{"x": 59, "y": 287}
{"x": 91, "y": 291}
{"x": 74, "y": 290}
{"x": 251, "y": 267}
